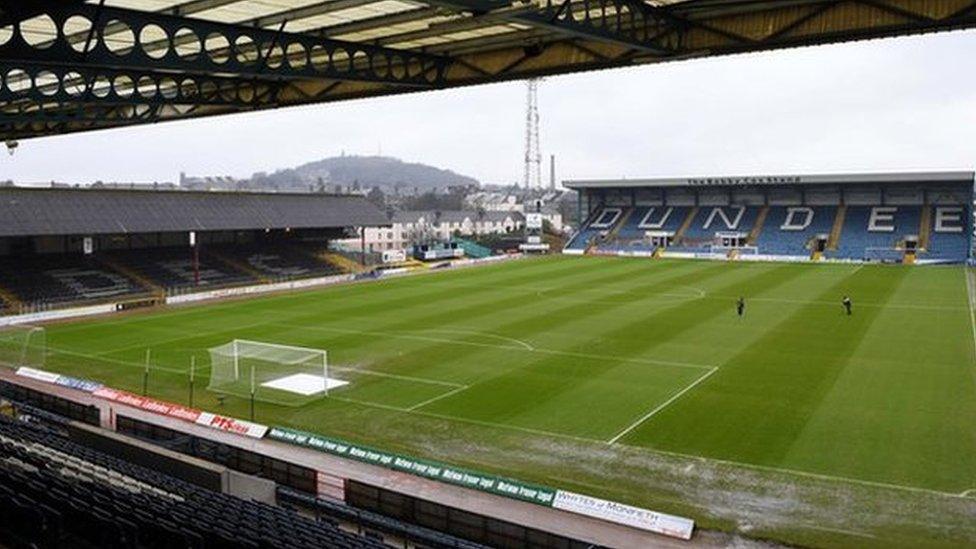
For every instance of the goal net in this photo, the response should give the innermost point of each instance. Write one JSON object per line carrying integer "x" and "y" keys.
{"x": 23, "y": 345}
{"x": 280, "y": 374}
{"x": 885, "y": 255}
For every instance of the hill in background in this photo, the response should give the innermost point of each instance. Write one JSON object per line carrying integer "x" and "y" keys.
{"x": 356, "y": 172}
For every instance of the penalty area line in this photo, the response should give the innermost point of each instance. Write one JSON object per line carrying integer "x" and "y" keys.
{"x": 436, "y": 398}
{"x": 972, "y": 304}
{"x": 524, "y": 347}
{"x": 139, "y": 365}
{"x": 661, "y": 406}
{"x": 457, "y": 419}
{"x": 341, "y": 369}
{"x": 691, "y": 457}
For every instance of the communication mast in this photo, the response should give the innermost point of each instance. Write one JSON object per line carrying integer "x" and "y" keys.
{"x": 533, "y": 155}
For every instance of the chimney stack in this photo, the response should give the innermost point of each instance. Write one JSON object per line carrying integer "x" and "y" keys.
{"x": 552, "y": 172}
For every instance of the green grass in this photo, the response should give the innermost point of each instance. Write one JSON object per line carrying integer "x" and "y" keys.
{"x": 632, "y": 380}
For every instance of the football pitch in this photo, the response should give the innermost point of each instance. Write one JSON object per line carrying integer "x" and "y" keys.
{"x": 629, "y": 379}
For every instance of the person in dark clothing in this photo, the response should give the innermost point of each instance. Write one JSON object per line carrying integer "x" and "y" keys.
{"x": 740, "y": 307}
{"x": 847, "y": 305}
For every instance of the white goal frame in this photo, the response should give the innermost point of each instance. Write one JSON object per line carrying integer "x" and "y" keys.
{"x": 28, "y": 343}
{"x": 305, "y": 362}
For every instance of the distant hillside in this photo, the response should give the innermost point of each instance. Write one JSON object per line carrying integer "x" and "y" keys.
{"x": 366, "y": 171}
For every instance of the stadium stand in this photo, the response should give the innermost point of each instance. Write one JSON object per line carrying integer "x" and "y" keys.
{"x": 67, "y": 246}
{"x": 945, "y": 241}
{"x": 368, "y": 520}
{"x": 862, "y": 217}
{"x": 598, "y": 223}
{"x": 876, "y": 232}
{"x": 85, "y": 445}
{"x": 660, "y": 220}
{"x": 172, "y": 268}
{"x": 710, "y": 220}
{"x": 39, "y": 280}
{"x": 57, "y": 493}
{"x": 789, "y": 230}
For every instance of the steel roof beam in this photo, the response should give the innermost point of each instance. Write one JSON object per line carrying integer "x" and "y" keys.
{"x": 125, "y": 87}
{"x": 314, "y": 10}
{"x": 15, "y": 11}
{"x": 226, "y": 49}
{"x": 628, "y": 23}
{"x": 380, "y": 21}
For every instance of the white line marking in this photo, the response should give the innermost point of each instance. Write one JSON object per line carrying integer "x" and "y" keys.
{"x": 966, "y": 494}
{"x": 436, "y": 398}
{"x": 795, "y": 472}
{"x": 651, "y": 361}
{"x": 671, "y": 298}
{"x": 395, "y": 376}
{"x": 834, "y": 303}
{"x": 489, "y": 335}
{"x": 838, "y": 530}
{"x": 469, "y": 421}
{"x": 699, "y": 294}
{"x": 700, "y": 459}
{"x": 662, "y": 406}
{"x": 972, "y": 304}
{"x": 140, "y": 365}
{"x": 367, "y": 403}
{"x": 184, "y": 334}
{"x": 402, "y": 335}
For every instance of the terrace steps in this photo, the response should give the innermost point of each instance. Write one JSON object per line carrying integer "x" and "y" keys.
{"x": 318, "y": 255}
{"x": 342, "y": 262}
{"x": 925, "y": 228}
{"x": 758, "y": 226}
{"x": 620, "y": 223}
{"x": 143, "y": 280}
{"x": 835, "y": 231}
{"x": 10, "y": 299}
{"x": 239, "y": 266}
{"x": 680, "y": 233}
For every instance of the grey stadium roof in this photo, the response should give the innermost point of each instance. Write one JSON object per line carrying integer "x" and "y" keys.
{"x": 79, "y": 65}
{"x": 44, "y": 211}
{"x": 454, "y": 216}
{"x": 765, "y": 180}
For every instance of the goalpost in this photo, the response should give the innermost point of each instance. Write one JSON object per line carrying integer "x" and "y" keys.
{"x": 23, "y": 345}
{"x": 885, "y": 255}
{"x": 270, "y": 372}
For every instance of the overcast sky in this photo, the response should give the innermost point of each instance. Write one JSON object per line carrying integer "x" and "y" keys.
{"x": 907, "y": 103}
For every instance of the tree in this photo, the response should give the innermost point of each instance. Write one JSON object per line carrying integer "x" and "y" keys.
{"x": 430, "y": 200}
{"x": 376, "y": 196}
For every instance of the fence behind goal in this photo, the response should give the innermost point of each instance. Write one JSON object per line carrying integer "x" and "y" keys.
{"x": 23, "y": 345}
{"x": 280, "y": 374}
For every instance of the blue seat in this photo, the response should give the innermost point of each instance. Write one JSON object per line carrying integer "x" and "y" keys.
{"x": 858, "y": 242}
{"x": 775, "y": 240}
